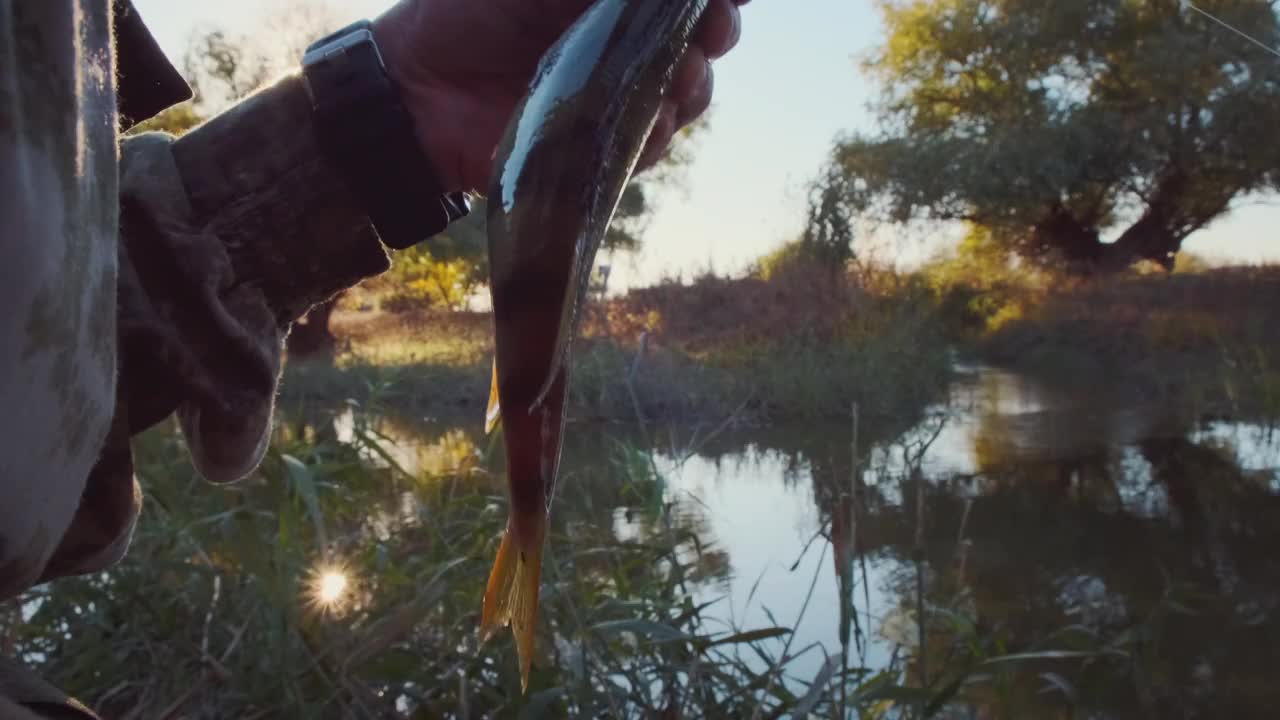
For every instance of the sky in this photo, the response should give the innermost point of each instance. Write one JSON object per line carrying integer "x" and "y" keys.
{"x": 782, "y": 98}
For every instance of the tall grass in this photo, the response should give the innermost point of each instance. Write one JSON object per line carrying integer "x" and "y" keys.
{"x": 798, "y": 346}
{"x": 1203, "y": 341}
{"x": 216, "y": 610}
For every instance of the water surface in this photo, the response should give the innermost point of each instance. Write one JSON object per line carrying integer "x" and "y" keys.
{"x": 1011, "y": 518}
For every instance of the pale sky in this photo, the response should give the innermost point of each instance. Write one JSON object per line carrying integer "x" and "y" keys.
{"x": 782, "y": 97}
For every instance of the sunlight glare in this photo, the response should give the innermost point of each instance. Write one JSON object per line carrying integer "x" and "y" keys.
{"x": 332, "y": 585}
{"x": 329, "y": 588}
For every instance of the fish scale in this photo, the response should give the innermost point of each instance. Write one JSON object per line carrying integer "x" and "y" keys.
{"x": 568, "y": 153}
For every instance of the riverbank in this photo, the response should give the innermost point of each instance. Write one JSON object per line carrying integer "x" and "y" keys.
{"x": 767, "y": 351}
{"x": 1205, "y": 342}
{"x": 745, "y": 349}
{"x": 977, "y": 557}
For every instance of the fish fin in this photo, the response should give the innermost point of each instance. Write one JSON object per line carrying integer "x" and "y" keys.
{"x": 493, "y": 413}
{"x": 511, "y": 596}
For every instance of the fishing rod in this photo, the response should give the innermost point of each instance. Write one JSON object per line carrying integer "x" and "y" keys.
{"x": 1233, "y": 28}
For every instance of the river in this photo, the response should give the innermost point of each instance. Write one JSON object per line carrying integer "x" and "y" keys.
{"x": 1011, "y": 517}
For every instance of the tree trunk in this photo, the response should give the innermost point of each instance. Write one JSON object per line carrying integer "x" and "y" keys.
{"x": 311, "y": 337}
{"x": 1147, "y": 239}
{"x": 1082, "y": 251}
{"x": 1152, "y": 237}
{"x": 1076, "y": 243}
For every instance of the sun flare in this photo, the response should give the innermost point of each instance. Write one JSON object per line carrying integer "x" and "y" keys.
{"x": 329, "y": 588}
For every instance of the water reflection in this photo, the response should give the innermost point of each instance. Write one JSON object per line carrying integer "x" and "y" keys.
{"x": 1012, "y": 517}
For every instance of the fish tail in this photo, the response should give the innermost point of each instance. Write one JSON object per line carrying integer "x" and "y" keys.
{"x": 493, "y": 413}
{"x": 511, "y": 597}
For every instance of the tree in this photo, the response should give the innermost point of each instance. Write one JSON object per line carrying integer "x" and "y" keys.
{"x": 1058, "y": 126}
{"x": 829, "y": 230}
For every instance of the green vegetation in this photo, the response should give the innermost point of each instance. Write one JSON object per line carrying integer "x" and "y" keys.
{"x": 1197, "y": 341}
{"x": 1098, "y": 560}
{"x": 1057, "y": 126}
{"x": 796, "y": 339}
{"x": 344, "y": 580}
{"x": 228, "y": 604}
{"x": 750, "y": 349}
{"x": 1203, "y": 341}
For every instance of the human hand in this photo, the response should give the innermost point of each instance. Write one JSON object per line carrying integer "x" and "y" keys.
{"x": 462, "y": 65}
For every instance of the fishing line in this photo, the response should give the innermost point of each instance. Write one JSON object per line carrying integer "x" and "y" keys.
{"x": 1235, "y": 30}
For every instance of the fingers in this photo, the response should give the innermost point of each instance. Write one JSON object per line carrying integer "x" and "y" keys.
{"x": 663, "y": 130}
{"x": 717, "y": 33}
{"x": 691, "y": 86}
{"x": 719, "y": 29}
{"x": 693, "y": 82}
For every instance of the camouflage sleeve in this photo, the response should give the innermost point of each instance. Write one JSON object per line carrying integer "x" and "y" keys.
{"x": 58, "y": 216}
{"x": 229, "y": 234}
{"x": 225, "y": 236}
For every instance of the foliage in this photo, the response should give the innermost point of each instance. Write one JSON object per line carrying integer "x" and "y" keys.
{"x": 982, "y": 284}
{"x": 796, "y": 258}
{"x": 1056, "y": 126}
{"x": 443, "y": 271}
{"x": 221, "y": 68}
{"x": 829, "y": 231}
{"x": 218, "y": 609}
{"x": 176, "y": 121}
{"x": 987, "y": 605}
{"x": 796, "y": 340}
{"x": 978, "y": 260}
{"x": 794, "y": 346}
{"x": 1200, "y": 340}
{"x": 419, "y": 281}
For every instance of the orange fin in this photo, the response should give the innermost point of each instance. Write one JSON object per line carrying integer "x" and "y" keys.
{"x": 511, "y": 597}
{"x": 493, "y": 414}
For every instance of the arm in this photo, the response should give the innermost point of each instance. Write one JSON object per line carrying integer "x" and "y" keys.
{"x": 227, "y": 235}
{"x": 233, "y": 231}
{"x": 245, "y": 210}
{"x": 230, "y": 233}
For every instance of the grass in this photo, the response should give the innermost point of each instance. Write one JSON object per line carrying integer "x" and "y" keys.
{"x": 214, "y": 613}
{"x": 1203, "y": 342}
{"x": 801, "y": 346}
{"x": 758, "y": 351}
{"x": 806, "y": 345}
{"x": 217, "y": 611}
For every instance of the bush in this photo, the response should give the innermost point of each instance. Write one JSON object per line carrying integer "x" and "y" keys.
{"x": 418, "y": 280}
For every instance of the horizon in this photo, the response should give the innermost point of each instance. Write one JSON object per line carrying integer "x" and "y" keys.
{"x": 743, "y": 194}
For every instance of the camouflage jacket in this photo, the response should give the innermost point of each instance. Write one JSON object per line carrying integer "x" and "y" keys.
{"x": 141, "y": 277}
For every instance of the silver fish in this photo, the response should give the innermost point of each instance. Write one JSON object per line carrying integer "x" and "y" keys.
{"x": 570, "y": 150}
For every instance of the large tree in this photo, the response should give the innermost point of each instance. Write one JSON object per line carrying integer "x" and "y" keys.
{"x": 1091, "y": 133}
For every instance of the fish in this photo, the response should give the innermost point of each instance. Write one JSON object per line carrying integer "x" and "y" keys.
{"x": 570, "y": 149}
